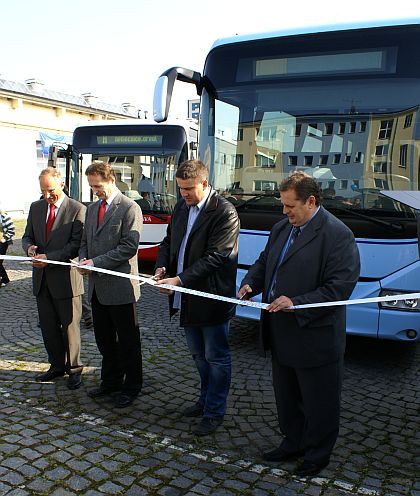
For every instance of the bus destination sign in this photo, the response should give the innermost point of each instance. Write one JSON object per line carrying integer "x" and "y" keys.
{"x": 149, "y": 140}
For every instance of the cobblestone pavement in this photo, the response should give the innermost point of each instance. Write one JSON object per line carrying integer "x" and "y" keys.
{"x": 61, "y": 442}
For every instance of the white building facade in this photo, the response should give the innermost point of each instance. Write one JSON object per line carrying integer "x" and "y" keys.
{"x": 31, "y": 119}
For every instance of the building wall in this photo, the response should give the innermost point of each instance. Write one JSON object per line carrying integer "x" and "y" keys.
{"x": 21, "y": 121}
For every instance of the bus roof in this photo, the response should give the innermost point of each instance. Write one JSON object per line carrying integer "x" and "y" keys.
{"x": 315, "y": 29}
{"x": 185, "y": 123}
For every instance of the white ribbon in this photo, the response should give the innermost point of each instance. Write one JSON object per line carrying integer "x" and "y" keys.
{"x": 247, "y": 303}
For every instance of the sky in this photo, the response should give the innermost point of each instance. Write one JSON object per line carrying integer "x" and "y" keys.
{"x": 116, "y": 50}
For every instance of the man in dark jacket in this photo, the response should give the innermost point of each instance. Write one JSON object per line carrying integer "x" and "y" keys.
{"x": 310, "y": 257}
{"x": 200, "y": 252}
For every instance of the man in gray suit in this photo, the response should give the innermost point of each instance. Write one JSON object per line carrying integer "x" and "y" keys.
{"x": 53, "y": 232}
{"x": 310, "y": 257}
{"x": 110, "y": 241}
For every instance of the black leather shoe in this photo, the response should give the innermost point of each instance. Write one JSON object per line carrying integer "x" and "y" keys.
{"x": 49, "y": 375}
{"x": 123, "y": 400}
{"x": 74, "y": 381}
{"x": 207, "y": 426}
{"x": 195, "y": 410}
{"x": 280, "y": 455}
{"x": 309, "y": 469}
{"x": 102, "y": 391}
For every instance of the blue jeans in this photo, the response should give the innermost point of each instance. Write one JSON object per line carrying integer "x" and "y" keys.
{"x": 210, "y": 349}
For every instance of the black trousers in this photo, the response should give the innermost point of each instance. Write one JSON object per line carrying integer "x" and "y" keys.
{"x": 117, "y": 335}
{"x": 308, "y": 405}
{"x": 3, "y": 274}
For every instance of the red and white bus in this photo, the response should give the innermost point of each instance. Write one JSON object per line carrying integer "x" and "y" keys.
{"x": 145, "y": 157}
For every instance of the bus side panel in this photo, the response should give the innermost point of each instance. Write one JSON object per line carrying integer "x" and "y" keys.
{"x": 363, "y": 319}
{"x": 251, "y": 244}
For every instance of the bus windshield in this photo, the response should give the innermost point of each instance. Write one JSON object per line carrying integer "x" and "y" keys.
{"x": 347, "y": 115}
{"x": 147, "y": 179}
{"x": 144, "y": 157}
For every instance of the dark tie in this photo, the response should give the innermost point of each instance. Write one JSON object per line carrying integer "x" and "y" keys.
{"x": 293, "y": 238}
{"x": 50, "y": 220}
{"x": 101, "y": 213}
{"x": 295, "y": 234}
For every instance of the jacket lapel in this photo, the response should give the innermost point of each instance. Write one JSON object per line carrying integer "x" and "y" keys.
{"x": 58, "y": 218}
{"x": 278, "y": 243}
{"x": 108, "y": 214}
{"x": 210, "y": 205}
{"x": 306, "y": 236}
{"x": 43, "y": 222}
{"x": 178, "y": 234}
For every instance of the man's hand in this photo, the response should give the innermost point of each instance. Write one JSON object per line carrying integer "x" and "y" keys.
{"x": 84, "y": 262}
{"x": 172, "y": 281}
{"x": 32, "y": 250}
{"x": 36, "y": 261}
{"x": 282, "y": 303}
{"x": 159, "y": 273}
{"x": 245, "y": 292}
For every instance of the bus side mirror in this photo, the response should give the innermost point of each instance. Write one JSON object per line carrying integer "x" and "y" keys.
{"x": 165, "y": 85}
{"x": 162, "y": 99}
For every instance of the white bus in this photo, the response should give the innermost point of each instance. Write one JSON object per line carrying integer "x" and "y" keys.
{"x": 342, "y": 104}
{"x": 145, "y": 156}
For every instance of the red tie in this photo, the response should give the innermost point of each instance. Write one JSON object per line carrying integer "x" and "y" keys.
{"x": 50, "y": 220}
{"x": 102, "y": 210}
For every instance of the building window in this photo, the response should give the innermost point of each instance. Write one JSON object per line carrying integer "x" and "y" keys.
{"x": 298, "y": 129}
{"x": 358, "y": 157}
{"x": 292, "y": 160}
{"x": 328, "y": 128}
{"x": 307, "y": 161}
{"x": 381, "y": 183}
{"x": 240, "y": 136}
{"x": 313, "y": 129}
{"x": 239, "y": 161}
{"x": 385, "y": 129}
{"x": 265, "y": 185}
{"x": 362, "y": 127}
{"x": 347, "y": 158}
{"x": 380, "y": 167}
{"x": 336, "y": 158}
{"x": 381, "y": 150}
{"x": 323, "y": 159}
{"x": 408, "y": 120}
{"x": 341, "y": 128}
{"x": 264, "y": 161}
{"x": 403, "y": 155}
{"x": 344, "y": 183}
{"x": 352, "y": 128}
{"x": 267, "y": 133}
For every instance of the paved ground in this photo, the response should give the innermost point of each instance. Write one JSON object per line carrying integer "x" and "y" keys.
{"x": 53, "y": 441}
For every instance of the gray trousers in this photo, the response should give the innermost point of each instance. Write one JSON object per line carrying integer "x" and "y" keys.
{"x": 60, "y": 324}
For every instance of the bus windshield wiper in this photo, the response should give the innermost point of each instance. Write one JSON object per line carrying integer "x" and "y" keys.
{"x": 385, "y": 223}
{"x": 251, "y": 201}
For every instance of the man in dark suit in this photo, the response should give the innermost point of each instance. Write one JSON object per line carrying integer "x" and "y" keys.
{"x": 310, "y": 257}
{"x": 53, "y": 231}
{"x": 200, "y": 252}
{"x": 110, "y": 241}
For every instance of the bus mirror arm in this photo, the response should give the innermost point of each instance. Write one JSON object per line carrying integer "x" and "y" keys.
{"x": 164, "y": 88}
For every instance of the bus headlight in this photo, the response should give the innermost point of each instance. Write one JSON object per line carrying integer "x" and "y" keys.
{"x": 410, "y": 304}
